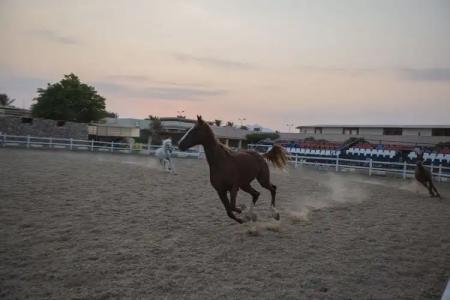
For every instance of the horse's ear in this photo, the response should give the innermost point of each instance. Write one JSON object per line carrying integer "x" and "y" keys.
{"x": 199, "y": 119}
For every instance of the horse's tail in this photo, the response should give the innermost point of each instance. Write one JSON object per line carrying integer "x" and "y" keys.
{"x": 277, "y": 155}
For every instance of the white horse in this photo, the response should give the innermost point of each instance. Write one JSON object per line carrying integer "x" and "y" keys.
{"x": 164, "y": 155}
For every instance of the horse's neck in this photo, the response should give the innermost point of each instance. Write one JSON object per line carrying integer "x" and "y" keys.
{"x": 215, "y": 154}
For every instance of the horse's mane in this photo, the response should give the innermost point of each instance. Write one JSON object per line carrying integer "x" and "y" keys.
{"x": 225, "y": 148}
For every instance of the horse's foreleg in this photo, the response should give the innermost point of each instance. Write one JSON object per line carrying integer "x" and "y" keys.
{"x": 424, "y": 183}
{"x": 233, "y": 196}
{"x": 430, "y": 188}
{"x": 172, "y": 167}
{"x": 226, "y": 204}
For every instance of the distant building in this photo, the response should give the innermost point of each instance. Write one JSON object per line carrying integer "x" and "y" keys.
{"x": 110, "y": 132}
{"x": 414, "y": 134}
{"x": 10, "y": 111}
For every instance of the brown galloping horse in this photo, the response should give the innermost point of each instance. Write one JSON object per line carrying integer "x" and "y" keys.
{"x": 231, "y": 171}
{"x": 424, "y": 177}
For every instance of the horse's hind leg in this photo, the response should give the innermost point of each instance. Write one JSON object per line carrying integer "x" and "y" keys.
{"x": 435, "y": 190}
{"x": 255, "y": 195}
{"x": 264, "y": 180}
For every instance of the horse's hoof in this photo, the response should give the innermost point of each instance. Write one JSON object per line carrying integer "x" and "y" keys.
{"x": 247, "y": 218}
{"x": 242, "y": 207}
{"x": 276, "y": 216}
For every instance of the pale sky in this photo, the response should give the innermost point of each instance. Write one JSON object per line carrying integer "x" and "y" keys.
{"x": 271, "y": 62}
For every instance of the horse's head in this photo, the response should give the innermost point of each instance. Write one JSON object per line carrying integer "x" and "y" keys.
{"x": 419, "y": 159}
{"x": 167, "y": 142}
{"x": 199, "y": 134}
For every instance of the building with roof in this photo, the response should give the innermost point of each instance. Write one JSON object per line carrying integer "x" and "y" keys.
{"x": 174, "y": 127}
{"x": 411, "y": 134}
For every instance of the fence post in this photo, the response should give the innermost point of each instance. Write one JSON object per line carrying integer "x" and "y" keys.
{"x": 131, "y": 146}
{"x": 50, "y": 143}
{"x": 112, "y": 146}
{"x": 404, "y": 169}
{"x": 71, "y": 143}
{"x": 440, "y": 172}
{"x": 296, "y": 160}
{"x": 28, "y": 141}
{"x": 92, "y": 145}
{"x": 337, "y": 163}
{"x": 370, "y": 167}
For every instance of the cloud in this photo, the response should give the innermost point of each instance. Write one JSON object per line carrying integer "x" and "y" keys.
{"x": 55, "y": 37}
{"x": 426, "y": 74}
{"x": 214, "y": 62}
{"x": 350, "y": 71}
{"x": 159, "y": 93}
{"x": 422, "y": 74}
{"x": 126, "y": 77}
{"x": 143, "y": 79}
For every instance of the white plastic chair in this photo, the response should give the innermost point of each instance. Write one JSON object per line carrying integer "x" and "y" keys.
{"x": 447, "y": 158}
{"x": 412, "y": 155}
{"x": 392, "y": 153}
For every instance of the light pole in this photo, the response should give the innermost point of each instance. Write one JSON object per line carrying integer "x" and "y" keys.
{"x": 180, "y": 113}
{"x": 242, "y": 121}
{"x": 289, "y": 126}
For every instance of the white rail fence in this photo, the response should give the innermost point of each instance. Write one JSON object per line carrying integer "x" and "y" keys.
{"x": 86, "y": 145}
{"x": 336, "y": 163}
{"x": 369, "y": 165}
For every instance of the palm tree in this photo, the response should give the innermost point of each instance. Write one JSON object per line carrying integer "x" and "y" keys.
{"x": 5, "y": 100}
{"x": 155, "y": 128}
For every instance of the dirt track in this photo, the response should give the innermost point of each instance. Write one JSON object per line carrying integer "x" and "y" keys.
{"x": 100, "y": 226}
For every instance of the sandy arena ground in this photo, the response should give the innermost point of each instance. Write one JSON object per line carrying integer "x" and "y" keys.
{"x": 102, "y": 226}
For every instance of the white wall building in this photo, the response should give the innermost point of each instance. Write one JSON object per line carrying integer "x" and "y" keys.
{"x": 426, "y": 134}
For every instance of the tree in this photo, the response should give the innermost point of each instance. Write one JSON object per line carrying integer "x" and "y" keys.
{"x": 110, "y": 114}
{"x": 69, "y": 100}
{"x": 254, "y": 138}
{"x": 230, "y": 124}
{"x": 218, "y": 122}
{"x": 5, "y": 100}
{"x": 155, "y": 129}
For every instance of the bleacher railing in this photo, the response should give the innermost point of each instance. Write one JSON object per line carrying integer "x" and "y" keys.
{"x": 369, "y": 165}
{"x": 87, "y": 145}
